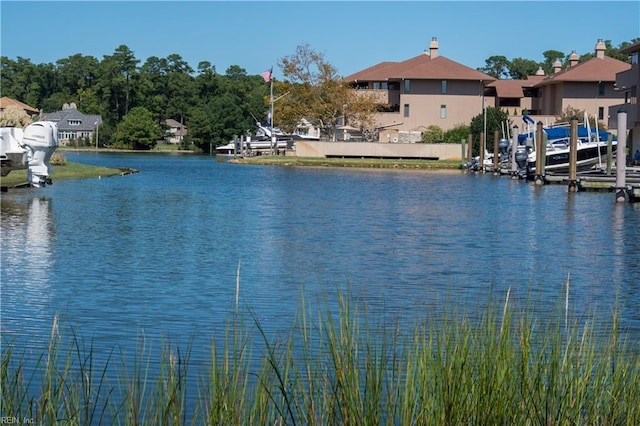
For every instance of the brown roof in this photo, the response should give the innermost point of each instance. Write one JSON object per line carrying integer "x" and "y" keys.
{"x": 635, "y": 47}
{"x": 6, "y": 102}
{"x": 419, "y": 67}
{"x": 510, "y": 88}
{"x": 595, "y": 69}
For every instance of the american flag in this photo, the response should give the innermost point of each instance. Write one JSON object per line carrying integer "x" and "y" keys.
{"x": 266, "y": 75}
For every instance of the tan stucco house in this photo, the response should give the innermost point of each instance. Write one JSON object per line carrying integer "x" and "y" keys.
{"x": 588, "y": 86}
{"x": 627, "y": 84}
{"x": 428, "y": 89}
{"x": 431, "y": 89}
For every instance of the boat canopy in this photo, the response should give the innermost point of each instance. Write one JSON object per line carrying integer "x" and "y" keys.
{"x": 554, "y": 133}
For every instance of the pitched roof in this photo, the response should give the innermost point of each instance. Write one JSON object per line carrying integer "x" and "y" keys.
{"x": 419, "y": 67}
{"x": 6, "y": 102}
{"x": 87, "y": 122}
{"x": 635, "y": 47}
{"x": 508, "y": 88}
{"x": 595, "y": 69}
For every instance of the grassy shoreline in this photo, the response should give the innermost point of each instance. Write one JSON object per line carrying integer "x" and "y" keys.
{"x": 377, "y": 163}
{"x": 71, "y": 170}
{"x": 508, "y": 367}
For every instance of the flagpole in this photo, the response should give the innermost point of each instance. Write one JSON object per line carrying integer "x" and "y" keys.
{"x": 273, "y": 138}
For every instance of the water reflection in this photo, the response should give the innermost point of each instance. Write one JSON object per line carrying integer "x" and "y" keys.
{"x": 27, "y": 239}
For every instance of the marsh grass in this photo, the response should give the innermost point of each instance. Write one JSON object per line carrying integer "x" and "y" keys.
{"x": 505, "y": 365}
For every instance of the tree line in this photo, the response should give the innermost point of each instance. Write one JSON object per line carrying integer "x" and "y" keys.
{"x": 215, "y": 107}
{"x": 500, "y": 67}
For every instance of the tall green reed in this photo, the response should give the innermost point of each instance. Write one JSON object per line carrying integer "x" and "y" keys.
{"x": 509, "y": 363}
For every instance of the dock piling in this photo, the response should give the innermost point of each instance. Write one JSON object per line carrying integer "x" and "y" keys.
{"x": 621, "y": 157}
{"x": 514, "y": 148}
{"x": 540, "y": 154}
{"x": 496, "y": 151}
{"x": 573, "y": 155}
{"x": 481, "y": 155}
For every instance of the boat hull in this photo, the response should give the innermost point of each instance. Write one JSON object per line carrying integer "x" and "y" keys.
{"x": 587, "y": 157}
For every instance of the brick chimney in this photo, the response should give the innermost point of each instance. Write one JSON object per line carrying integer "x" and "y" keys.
{"x": 600, "y": 47}
{"x": 433, "y": 47}
{"x": 557, "y": 66}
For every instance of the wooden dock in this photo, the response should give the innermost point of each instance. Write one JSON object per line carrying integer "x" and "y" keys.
{"x": 592, "y": 181}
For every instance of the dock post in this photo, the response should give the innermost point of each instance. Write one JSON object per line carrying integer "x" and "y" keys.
{"x": 496, "y": 151}
{"x": 235, "y": 145}
{"x": 514, "y": 148}
{"x": 464, "y": 152}
{"x": 470, "y": 148}
{"x": 609, "y": 154}
{"x": 481, "y": 155}
{"x": 540, "y": 154}
{"x": 621, "y": 157}
{"x": 573, "y": 155}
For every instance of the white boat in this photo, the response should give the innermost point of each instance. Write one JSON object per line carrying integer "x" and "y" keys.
{"x": 262, "y": 142}
{"x": 592, "y": 147}
{"x": 29, "y": 148}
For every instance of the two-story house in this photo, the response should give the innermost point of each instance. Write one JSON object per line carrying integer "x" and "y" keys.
{"x": 587, "y": 86}
{"x": 428, "y": 89}
{"x": 627, "y": 83}
{"x": 176, "y": 131}
{"x": 431, "y": 89}
{"x": 74, "y": 126}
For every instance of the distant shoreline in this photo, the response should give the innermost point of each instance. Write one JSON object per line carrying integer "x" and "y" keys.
{"x": 370, "y": 163}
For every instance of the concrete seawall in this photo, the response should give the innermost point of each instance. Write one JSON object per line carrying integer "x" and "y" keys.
{"x": 435, "y": 151}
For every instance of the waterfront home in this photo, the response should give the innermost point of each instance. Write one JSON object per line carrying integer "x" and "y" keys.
{"x": 627, "y": 83}
{"x": 588, "y": 86}
{"x": 74, "y": 127}
{"x": 175, "y": 131}
{"x": 428, "y": 89}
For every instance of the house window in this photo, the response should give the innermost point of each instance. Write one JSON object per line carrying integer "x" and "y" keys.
{"x": 601, "y": 89}
{"x": 406, "y": 110}
{"x": 407, "y": 86}
{"x": 443, "y": 111}
{"x": 73, "y": 122}
{"x": 444, "y": 87}
{"x": 394, "y": 86}
{"x": 380, "y": 85}
{"x": 600, "y": 113}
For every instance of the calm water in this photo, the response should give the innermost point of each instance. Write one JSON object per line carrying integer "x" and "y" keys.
{"x": 157, "y": 253}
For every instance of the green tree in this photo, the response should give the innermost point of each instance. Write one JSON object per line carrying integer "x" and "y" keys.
{"x": 138, "y": 130}
{"x": 181, "y": 92}
{"x": 496, "y": 119}
{"x": 550, "y": 57}
{"x": 115, "y": 83}
{"x": 496, "y": 66}
{"x": 75, "y": 74}
{"x": 433, "y": 134}
{"x": 200, "y": 128}
{"x": 457, "y": 133}
{"x": 520, "y": 68}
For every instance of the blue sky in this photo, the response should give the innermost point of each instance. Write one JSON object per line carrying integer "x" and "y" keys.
{"x": 353, "y": 35}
